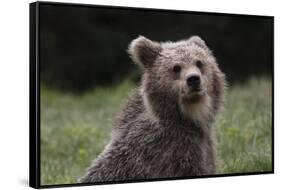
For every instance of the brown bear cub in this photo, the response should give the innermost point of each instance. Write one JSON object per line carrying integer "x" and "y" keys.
{"x": 166, "y": 128}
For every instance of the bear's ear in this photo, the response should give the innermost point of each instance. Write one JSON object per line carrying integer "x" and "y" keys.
{"x": 144, "y": 51}
{"x": 198, "y": 41}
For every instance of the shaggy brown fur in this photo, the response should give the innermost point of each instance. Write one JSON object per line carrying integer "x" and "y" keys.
{"x": 165, "y": 129}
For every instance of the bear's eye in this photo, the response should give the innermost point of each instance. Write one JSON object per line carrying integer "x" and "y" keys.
{"x": 199, "y": 64}
{"x": 176, "y": 68}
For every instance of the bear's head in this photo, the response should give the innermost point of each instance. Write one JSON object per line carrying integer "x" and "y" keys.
{"x": 180, "y": 79}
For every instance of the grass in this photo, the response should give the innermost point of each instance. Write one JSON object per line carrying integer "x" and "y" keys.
{"x": 75, "y": 129}
{"x": 245, "y": 128}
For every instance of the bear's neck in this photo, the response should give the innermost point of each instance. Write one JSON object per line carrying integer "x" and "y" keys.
{"x": 162, "y": 107}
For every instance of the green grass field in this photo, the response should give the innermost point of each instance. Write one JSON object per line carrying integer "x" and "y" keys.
{"x": 75, "y": 129}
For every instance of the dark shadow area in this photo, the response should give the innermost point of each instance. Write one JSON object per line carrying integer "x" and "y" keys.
{"x": 24, "y": 182}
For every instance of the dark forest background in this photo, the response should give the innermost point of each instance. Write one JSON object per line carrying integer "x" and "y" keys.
{"x": 84, "y": 47}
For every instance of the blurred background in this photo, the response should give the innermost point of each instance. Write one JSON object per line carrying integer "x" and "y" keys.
{"x": 86, "y": 77}
{"x": 83, "y": 47}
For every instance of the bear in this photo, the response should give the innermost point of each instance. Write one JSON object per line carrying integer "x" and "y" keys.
{"x": 166, "y": 128}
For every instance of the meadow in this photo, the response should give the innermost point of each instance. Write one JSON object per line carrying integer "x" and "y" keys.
{"x": 75, "y": 129}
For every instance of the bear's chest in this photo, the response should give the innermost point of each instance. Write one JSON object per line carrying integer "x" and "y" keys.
{"x": 168, "y": 153}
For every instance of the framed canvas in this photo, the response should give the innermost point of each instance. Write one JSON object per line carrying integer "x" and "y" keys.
{"x": 120, "y": 94}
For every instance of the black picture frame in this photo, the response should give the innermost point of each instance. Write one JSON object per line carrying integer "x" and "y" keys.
{"x": 34, "y": 98}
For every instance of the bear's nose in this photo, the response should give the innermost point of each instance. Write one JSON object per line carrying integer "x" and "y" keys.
{"x": 193, "y": 81}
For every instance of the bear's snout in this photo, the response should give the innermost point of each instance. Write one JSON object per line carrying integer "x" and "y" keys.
{"x": 194, "y": 81}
